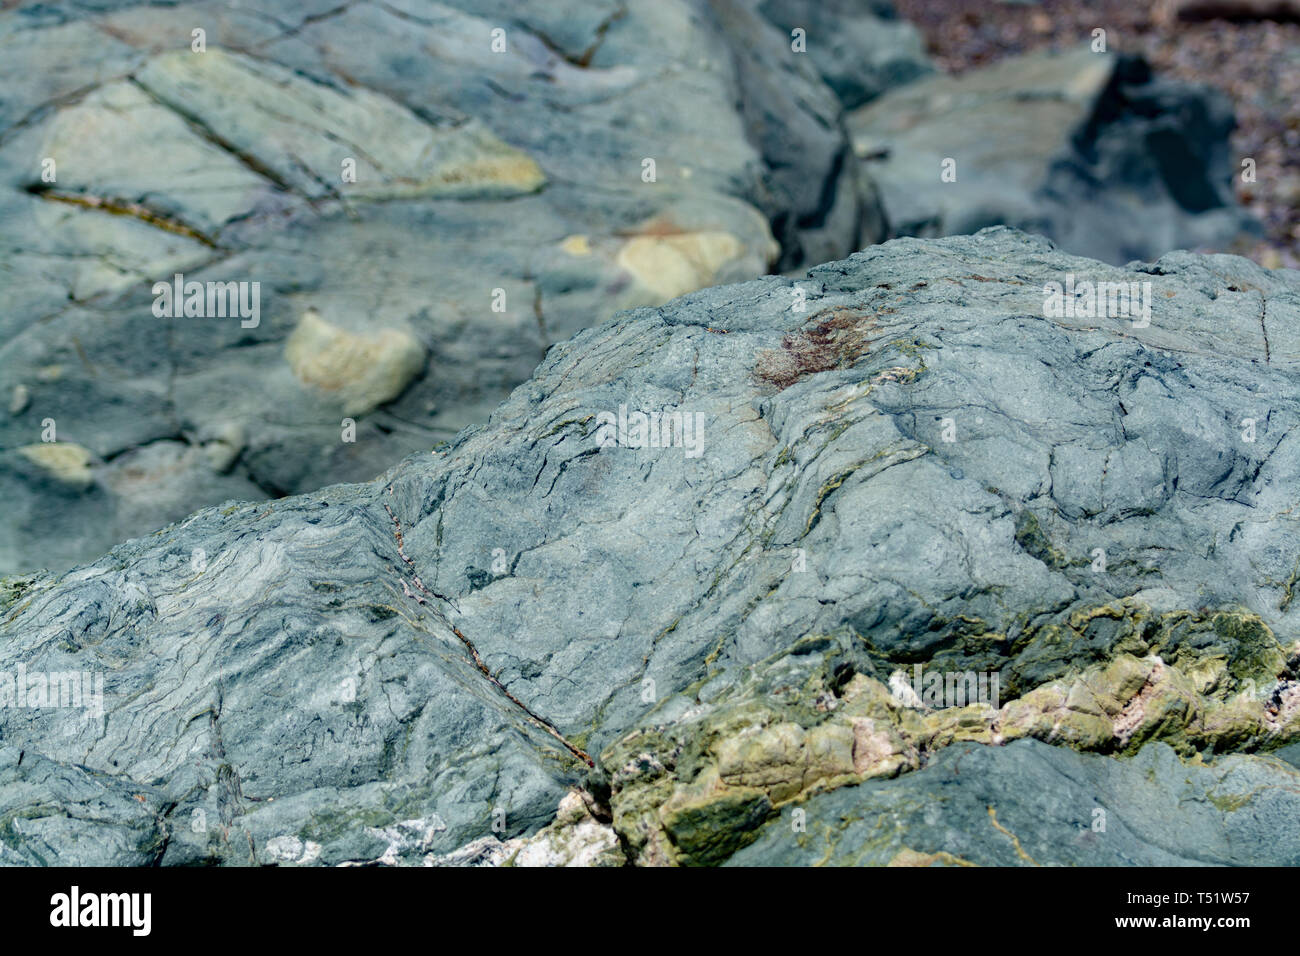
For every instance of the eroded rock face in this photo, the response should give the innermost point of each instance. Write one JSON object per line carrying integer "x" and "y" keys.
{"x": 904, "y": 458}
{"x": 389, "y": 171}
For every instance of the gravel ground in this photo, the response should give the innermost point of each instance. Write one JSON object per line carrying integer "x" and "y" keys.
{"x": 1256, "y": 63}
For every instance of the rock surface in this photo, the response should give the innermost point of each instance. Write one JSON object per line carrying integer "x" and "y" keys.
{"x": 419, "y": 198}
{"x": 900, "y": 459}
{"x": 1089, "y": 149}
{"x": 384, "y": 173}
{"x": 1029, "y": 804}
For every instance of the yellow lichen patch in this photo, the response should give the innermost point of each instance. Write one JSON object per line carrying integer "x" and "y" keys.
{"x": 500, "y": 169}
{"x": 576, "y": 246}
{"x": 828, "y": 753}
{"x": 771, "y": 758}
{"x": 699, "y": 790}
{"x": 1046, "y": 714}
{"x": 974, "y": 723}
{"x": 66, "y": 462}
{"x": 363, "y": 371}
{"x": 671, "y": 265}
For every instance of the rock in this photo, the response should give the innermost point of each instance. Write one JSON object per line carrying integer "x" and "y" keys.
{"x": 364, "y": 372}
{"x": 811, "y": 719}
{"x": 450, "y": 209}
{"x": 1029, "y": 804}
{"x": 57, "y": 487}
{"x": 1088, "y": 149}
{"x": 67, "y": 815}
{"x": 809, "y": 190}
{"x": 926, "y": 465}
{"x": 860, "y": 50}
{"x": 65, "y": 462}
{"x": 458, "y": 205}
{"x": 297, "y": 133}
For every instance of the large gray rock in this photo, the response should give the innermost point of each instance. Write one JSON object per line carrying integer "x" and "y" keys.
{"x": 424, "y": 216}
{"x": 902, "y": 459}
{"x": 1089, "y": 149}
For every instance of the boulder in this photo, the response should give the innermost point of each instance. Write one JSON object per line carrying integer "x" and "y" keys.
{"x": 677, "y": 585}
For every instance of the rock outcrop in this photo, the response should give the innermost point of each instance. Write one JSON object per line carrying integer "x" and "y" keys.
{"x": 861, "y": 50}
{"x": 680, "y": 584}
{"x": 456, "y": 185}
{"x": 392, "y": 209}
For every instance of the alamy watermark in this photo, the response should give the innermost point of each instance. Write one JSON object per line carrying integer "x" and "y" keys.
{"x": 1088, "y": 300}
{"x": 40, "y": 689}
{"x": 636, "y": 429}
{"x": 939, "y": 689}
{"x": 210, "y": 300}
{"x": 77, "y": 909}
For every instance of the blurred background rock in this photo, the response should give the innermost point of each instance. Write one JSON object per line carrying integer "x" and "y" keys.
{"x": 1248, "y": 49}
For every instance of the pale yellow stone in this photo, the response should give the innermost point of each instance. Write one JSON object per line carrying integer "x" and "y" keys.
{"x": 363, "y": 371}
{"x": 497, "y": 170}
{"x": 224, "y": 446}
{"x": 672, "y": 265}
{"x": 65, "y": 461}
